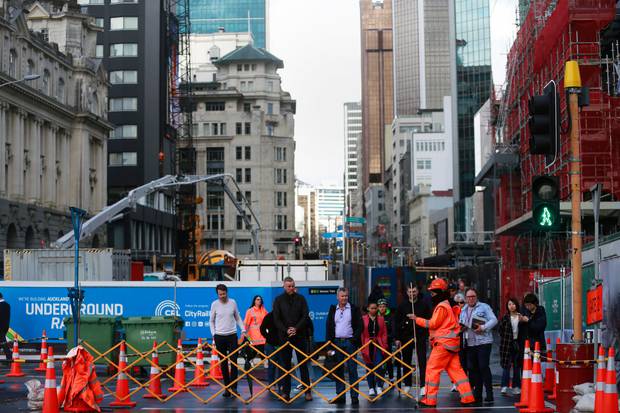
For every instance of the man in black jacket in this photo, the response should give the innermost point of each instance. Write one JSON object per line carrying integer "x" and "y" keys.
{"x": 344, "y": 329}
{"x": 5, "y": 320}
{"x": 290, "y": 316}
{"x": 403, "y": 332}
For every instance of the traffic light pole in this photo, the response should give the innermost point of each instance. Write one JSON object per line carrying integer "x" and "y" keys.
{"x": 572, "y": 83}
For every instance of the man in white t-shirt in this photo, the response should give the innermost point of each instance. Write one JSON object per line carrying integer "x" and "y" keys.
{"x": 223, "y": 322}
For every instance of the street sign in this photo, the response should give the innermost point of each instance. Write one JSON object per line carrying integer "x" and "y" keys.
{"x": 356, "y": 220}
{"x": 355, "y": 235}
{"x": 328, "y": 235}
{"x": 594, "y": 310}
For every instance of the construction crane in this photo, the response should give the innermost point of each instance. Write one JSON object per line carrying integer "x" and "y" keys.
{"x": 112, "y": 212}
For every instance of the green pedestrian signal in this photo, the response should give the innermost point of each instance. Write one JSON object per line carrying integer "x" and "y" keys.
{"x": 545, "y": 203}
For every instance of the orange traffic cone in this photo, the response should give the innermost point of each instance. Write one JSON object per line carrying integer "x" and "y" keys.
{"x": 553, "y": 395}
{"x": 179, "y": 371}
{"x": 601, "y": 377}
{"x": 549, "y": 370}
{"x": 123, "y": 399}
{"x": 50, "y": 396}
{"x": 215, "y": 372}
{"x": 155, "y": 379}
{"x": 610, "y": 399}
{"x": 526, "y": 377}
{"x": 199, "y": 373}
{"x": 537, "y": 395}
{"x": 42, "y": 364}
{"x": 16, "y": 368}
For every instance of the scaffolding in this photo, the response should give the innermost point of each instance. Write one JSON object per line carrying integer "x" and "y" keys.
{"x": 553, "y": 32}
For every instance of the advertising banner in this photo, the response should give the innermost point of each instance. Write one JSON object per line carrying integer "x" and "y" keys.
{"x": 38, "y": 306}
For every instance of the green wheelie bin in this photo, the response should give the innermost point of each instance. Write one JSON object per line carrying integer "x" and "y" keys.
{"x": 98, "y": 331}
{"x": 141, "y": 332}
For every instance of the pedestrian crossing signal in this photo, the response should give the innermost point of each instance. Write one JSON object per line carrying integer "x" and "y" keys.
{"x": 545, "y": 203}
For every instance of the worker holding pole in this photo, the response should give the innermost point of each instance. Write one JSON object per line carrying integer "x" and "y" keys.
{"x": 445, "y": 343}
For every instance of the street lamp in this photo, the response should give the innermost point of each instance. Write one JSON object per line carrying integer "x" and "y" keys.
{"x": 76, "y": 296}
{"x": 26, "y": 78}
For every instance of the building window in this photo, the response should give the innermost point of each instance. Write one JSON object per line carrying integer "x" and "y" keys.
{"x": 123, "y": 104}
{"x": 215, "y": 106}
{"x": 99, "y": 51}
{"x": 123, "y": 50}
{"x": 215, "y": 200}
{"x": 215, "y": 222}
{"x": 123, "y": 23}
{"x": 270, "y": 86}
{"x": 248, "y": 175}
{"x": 215, "y": 154}
{"x": 250, "y": 85}
{"x": 123, "y": 159}
{"x": 270, "y": 108}
{"x": 248, "y": 128}
{"x": 90, "y": 2}
{"x": 247, "y": 107}
{"x": 427, "y": 164}
{"x": 269, "y": 130}
{"x": 239, "y": 222}
{"x": 99, "y": 22}
{"x": 124, "y": 132}
{"x": 13, "y": 63}
{"x": 281, "y": 222}
{"x": 124, "y": 77}
{"x": 280, "y": 176}
{"x": 280, "y": 155}
{"x": 248, "y": 196}
{"x": 246, "y": 67}
{"x": 243, "y": 85}
{"x": 423, "y": 164}
{"x": 253, "y": 67}
{"x": 239, "y": 175}
{"x": 248, "y": 153}
{"x": 60, "y": 95}
{"x": 31, "y": 68}
{"x": 46, "y": 82}
{"x": 45, "y": 34}
{"x": 238, "y": 128}
{"x": 238, "y": 153}
{"x": 239, "y": 68}
{"x": 281, "y": 200}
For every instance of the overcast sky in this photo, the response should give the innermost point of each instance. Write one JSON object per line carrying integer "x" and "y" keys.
{"x": 320, "y": 45}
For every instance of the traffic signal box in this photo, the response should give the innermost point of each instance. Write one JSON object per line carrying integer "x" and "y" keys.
{"x": 546, "y": 203}
{"x": 544, "y": 123}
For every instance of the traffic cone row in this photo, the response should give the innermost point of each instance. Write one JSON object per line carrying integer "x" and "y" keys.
{"x": 50, "y": 395}
{"x": 179, "y": 371}
{"x": 537, "y": 396}
{"x": 608, "y": 401}
{"x": 526, "y": 378}
{"x": 549, "y": 370}
{"x": 155, "y": 378}
{"x": 601, "y": 377}
{"x": 16, "y": 368}
{"x": 215, "y": 372}
{"x": 199, "y": 373}
{"x": 42, "y": 365}
{"x": 123, "y": 399}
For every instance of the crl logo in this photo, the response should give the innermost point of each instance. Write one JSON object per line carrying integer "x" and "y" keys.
{"x": 167, "y": 307}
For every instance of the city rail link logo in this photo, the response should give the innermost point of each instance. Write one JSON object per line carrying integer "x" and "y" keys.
{"x": 167, "y": 307}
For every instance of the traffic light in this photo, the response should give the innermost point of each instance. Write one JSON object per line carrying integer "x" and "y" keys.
{"x": 389, "y": 247}
{"x": 297, "y": 241}
{"x": 544, "y": 123}
{"x": 545, "y": 202}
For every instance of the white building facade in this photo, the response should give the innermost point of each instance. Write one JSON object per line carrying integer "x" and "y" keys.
{"x": 244, "y": 126}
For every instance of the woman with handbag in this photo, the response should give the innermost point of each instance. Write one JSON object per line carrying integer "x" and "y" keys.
{"x": 511, "y": 333}
{"x": 375, "y": 330}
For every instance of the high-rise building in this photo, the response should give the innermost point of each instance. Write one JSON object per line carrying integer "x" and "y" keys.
{"x": 330, "y": 204}
{"x": 421, "y": 55}
{"x": 377, "y": 86}
{"x": 244, "y": 126}
{"x": 53, "y": 128}
{"x": 473, "y": 87}
{"x": 134, "y": 48}
{"x": 307, "y": 201}
{"x": 352, "y": 138}
{"x": 238, "y": 16}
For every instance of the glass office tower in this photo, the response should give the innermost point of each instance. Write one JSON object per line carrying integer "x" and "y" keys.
{"x": 474, "y": 87}
{"x": 208, "y": 16}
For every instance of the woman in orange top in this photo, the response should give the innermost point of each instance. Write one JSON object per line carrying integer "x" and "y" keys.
{"x": 253, "y": 319}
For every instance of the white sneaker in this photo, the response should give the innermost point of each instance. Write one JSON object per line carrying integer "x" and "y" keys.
{"x": 516, "y": 390}
{"x": 422, "y": 391}
{"x": 453, "y": 388}
{"x": 406, "y": 389}
{"x": 504, "y": 390}
{"x": 371, "y": 392}
{"x": 379, "y": 390}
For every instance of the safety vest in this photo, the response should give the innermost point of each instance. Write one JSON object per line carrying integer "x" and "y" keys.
{"x": 253, "y": 321}
{"x": 447, "y": 333}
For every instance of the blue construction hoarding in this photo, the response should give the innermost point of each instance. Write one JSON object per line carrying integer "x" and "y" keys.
{"x": 36, "y": 306}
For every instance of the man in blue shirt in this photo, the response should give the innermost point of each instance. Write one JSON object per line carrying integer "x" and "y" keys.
{"x": 477, "y": 319}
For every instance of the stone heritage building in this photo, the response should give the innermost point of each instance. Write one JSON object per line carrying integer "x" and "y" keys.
{"x": 53, "y": 129}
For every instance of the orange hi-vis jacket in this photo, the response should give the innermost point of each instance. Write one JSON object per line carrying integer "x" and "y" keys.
{"x": 443, "y": 327}
{"x": 253, "y": 319}
{"x": 80, "y": 388}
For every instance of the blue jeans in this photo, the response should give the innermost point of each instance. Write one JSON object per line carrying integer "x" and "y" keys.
{"x": 377, "y": 358}
{"x": 347, "y": 346}
{"x": 515, "y": 363}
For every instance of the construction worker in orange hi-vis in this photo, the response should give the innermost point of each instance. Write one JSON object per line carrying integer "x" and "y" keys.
{"x": 444, "y": 338}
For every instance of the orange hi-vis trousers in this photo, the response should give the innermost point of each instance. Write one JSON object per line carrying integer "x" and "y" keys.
{"x": 442, "y": 359}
